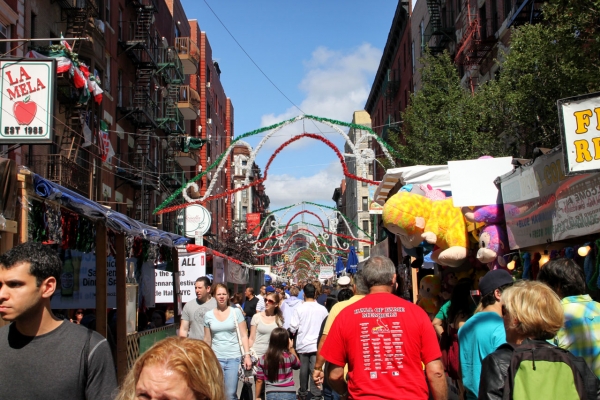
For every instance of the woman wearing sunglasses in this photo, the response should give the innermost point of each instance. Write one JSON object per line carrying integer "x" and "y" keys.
{"x": 263, "y": 324}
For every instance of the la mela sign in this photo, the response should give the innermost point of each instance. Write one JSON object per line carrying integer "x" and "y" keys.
{"x": 27, "y": 100}
{"x": 580, "y": 133}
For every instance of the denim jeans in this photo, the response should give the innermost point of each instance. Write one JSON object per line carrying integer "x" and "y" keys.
{"x": 329, "y": 393}
{"x": 281, "y": 396}
{"x": 230, "y": 368}
{"x": 307, "y": 364}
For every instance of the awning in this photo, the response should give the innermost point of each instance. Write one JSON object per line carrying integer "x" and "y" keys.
{"x": 90, "y": 209}
{"x": 438, "y": 176}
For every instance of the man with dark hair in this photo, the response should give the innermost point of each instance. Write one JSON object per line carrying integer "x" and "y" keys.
{"x": 385, "y": 340}
{"x": 249, "y": 306}
{"x": 581, "y": 332}
{"x": 192, "y": 317}
{"x": 44, "y": 357}
{"x": 261, "y": 298}
{"x": 484, "y": 332}
{"x": 306, "y": 323}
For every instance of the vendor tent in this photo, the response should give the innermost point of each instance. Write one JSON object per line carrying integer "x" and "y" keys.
{"x": 438, "y": 176}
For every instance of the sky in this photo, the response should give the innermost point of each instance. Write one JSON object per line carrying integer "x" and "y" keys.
{"x": 321, "y": 54}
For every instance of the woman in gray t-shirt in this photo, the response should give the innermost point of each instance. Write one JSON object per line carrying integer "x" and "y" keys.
{"x": 221, "y": 335}
{"x": 263, "y": 324}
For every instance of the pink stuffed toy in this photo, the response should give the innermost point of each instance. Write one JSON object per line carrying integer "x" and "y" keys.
{"x": 493, "y": 245}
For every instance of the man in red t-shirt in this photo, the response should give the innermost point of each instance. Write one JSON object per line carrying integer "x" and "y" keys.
{"x": 385, "y": 341}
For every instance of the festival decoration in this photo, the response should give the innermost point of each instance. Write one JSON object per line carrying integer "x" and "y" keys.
{"x": 363, "y": 157}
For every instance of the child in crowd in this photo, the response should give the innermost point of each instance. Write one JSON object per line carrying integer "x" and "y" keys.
{"x": 275, "y": 368}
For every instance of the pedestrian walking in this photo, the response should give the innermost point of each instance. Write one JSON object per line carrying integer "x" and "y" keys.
{"x": 289, "y": 305}
{"x": 192, "y": 317}
{"x": 44, "y": 357}
{"x": 306, "y": 323}
{"x": 275, "y": 368}
{"x": 263, "y": 323}
{"x": 581, "y": 331}
{"x": 225, "y": 332}
{"x": 249, "y": 307}
{"x": 386, "y": 341}
{"x": 484, "y": 332}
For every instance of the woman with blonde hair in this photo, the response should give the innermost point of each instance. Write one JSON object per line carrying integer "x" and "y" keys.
{"x": 224, "y": 329}
{"x": 532, "y": 314}
{"x": 175, "y": 368}
{"x": 263, "y": 324}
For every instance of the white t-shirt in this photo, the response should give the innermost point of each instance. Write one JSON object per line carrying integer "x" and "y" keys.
{"x": 261, "y": 303}
{"x": 306, "y": 321}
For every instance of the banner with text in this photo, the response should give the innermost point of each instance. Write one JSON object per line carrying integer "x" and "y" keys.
{"x": 544, "y": 205}
{"x": 191, "y": 267}
{"x": 253, "y": 223}
{"x": 326, "y": 272}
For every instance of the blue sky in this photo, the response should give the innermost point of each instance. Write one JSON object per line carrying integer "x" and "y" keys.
{"x": 323, "y": 55}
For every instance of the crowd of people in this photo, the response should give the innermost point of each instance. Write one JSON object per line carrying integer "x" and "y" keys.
{"x": 359, "y": 340}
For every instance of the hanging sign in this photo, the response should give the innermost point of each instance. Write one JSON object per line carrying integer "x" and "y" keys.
{"x": 326, "y": 272}
{"x": 579, "y": 119}
{"x": 27, "y": 101}
{"x": 197, "y": 221}
{"x": 191, "y": 267}
{"x": 253, "y": 223}
{"x": 542, "y": 204}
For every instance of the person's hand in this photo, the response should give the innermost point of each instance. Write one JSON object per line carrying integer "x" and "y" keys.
{"x": 318, "y": 377}
{"x": 247, "y": 362}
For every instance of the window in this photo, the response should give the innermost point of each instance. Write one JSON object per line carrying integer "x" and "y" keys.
{"x": 494, "y": 12}
{"x": 107, "y": 82}
{"x": 371, "y": 169}
{"x": 422, "y": 35}
{"x": 412, "y": 55}
{"x": 365, "y": 203}
{"x": 120, "y": 88}
{"x": 507, "y": 8}
{"x": 244, "y": 212}
{"x": 120, "y": 25}
{"x": 364, "y": 184}
{"x": 366, "y": 252}
{"x": 244, "y": 193}
{"x": 4, "y": 34}
{"x": 244, "y": 162}
{"x": 33, "y": 24}
{"x": 483, "y": 18}
{"x": 107, "y": 11}
{"x": 365, "y": 226}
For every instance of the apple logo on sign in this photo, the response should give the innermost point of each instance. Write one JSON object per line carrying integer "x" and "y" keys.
{"x": 24, "y": 111}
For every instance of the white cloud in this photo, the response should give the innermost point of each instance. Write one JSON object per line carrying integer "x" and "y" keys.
{"x": 285, "y": 190}
{"x": 336, "y": 84}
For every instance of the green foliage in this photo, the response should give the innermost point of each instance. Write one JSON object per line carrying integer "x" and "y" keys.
{"x": 444, "y": 121}
{"x": 237, "y": 244}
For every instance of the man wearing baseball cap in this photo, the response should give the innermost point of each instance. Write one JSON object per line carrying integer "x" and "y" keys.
{"x": 484, "y": 332}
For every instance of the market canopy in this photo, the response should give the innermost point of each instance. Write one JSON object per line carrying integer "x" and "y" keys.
{"x": 90, "y": 209}
{"x": 438, "y": 176}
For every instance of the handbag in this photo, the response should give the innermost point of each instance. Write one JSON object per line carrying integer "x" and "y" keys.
{"x": 243, "y": 373}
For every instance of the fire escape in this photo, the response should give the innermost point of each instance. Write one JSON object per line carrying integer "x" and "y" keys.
{"x": 437, "y": 34}
{"x": 476, "y": 41}
{"x": 139, "y": 105}
{"x": 525, "y": 11}
{"x": 68, "y": 166}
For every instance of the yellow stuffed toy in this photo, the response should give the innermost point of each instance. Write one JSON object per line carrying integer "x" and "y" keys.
{"x": 416, "y": 218}
{"x": 429, "y": 290}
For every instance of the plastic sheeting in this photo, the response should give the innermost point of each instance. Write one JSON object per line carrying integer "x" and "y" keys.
{"x": 116, "y": 221}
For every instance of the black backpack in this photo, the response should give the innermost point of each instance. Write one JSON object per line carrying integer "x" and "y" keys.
{"x": 539, "y": 370}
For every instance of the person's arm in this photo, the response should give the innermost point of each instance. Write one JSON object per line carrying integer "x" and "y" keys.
{"x": 318, "y": 374}
{"x": 335, "y": 378}
{"x": 184, "y": 328}
{"x": 252, "y": 335}
{"x": 259, "y": 384}
{"x": 261, "y": 305}
{"x": 491, "y": 384}
{"x": 101, "y": 379}
{"x": 207, "y": 336}
{"x": 438, "y": 325}
{"x": 294, "y": 322}
{"x": 437, "y": 379}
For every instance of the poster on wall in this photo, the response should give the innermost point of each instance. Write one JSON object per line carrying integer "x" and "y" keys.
{"x": 579, "y": 119}
{"x": 235, "y": 273}
{"x": 191, "y": 267}
{"x": 27, "y": 100}
{"x": 77, "y": 285}
{"x": 218, "y": 270}
{"x": 542, "y": 204}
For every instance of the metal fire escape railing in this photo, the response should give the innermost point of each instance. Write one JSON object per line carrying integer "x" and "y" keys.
{"x": 437, "y": 35}
{"x": 171, "y": 70}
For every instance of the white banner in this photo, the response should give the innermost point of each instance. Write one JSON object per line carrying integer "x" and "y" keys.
{"x": 235, "y": 273}
{"x": 326, "y": 272}
{"x": 191, "y": 266}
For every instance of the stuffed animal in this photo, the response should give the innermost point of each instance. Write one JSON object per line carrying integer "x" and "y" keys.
{"x": 493, "y": 245}
{"x": 416, "y": 218}
{"x": 429, "y": 290}
{"x": 492, "y": 214}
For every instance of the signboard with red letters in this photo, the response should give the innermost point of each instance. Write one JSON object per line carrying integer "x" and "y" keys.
{"x": 27, "y": 101}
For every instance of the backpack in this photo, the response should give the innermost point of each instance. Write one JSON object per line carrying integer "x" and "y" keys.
{"x": 539, "y": 370}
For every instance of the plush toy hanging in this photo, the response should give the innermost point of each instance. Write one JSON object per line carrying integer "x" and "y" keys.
{"x": 429, "y": 290}
{"x": 492, "y": 247}
{"x": 416, "y": 218}
{"x": 526, "y": 266}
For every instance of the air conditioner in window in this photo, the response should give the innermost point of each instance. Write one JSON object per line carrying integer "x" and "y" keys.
{"x": 209, "y": 121}
{"x": 208, "y": 85}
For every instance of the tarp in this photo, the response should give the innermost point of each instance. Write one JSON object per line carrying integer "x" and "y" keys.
{"x": 438, "y": 176}
{"x": 116, "y": 221}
